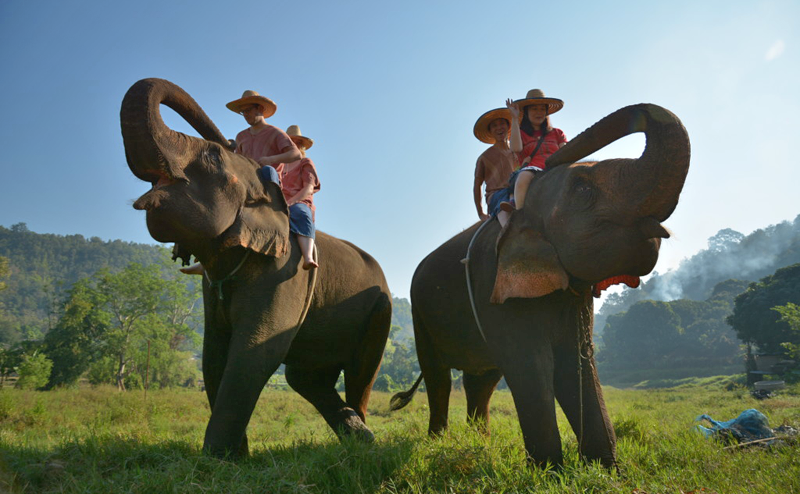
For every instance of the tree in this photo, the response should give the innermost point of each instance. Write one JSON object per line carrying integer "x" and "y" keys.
{"x": 108, "y": 320}
{"x": 648, "y": 332}
{"x": 753, "y": 318}
{"x": 34, "y": 371}
{"x": 399, "y": 367}
{"x": 76, "y": 341}
{"x": 790, "y": 314}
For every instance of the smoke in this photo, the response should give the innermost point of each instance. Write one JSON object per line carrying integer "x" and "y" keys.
{"x": 730, "y": 255}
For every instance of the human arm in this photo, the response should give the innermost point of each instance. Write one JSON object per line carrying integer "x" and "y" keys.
{"x": 514, "y": 138}
{"x": 302, "y": 194}
{"x": 287, "y": 156}
{"x": 476, "y": 189}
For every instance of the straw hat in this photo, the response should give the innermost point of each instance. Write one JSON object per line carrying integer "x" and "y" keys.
{"x": 253, "y": 98}
{"x": 294, "y": 134}
{"x": 537, "y": 97}
{"x": 481, "y": 129}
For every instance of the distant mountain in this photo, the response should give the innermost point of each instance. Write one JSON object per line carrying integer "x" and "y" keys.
{"x": 43, "y": 266}
{"x": 730, "y": 255}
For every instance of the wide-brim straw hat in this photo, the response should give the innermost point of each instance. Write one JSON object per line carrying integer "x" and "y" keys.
{"x": 250, "y": 97}
{"x": 481, "y": 129}
{"x": 537, "y": 97}
{"x": 294, "y": 134}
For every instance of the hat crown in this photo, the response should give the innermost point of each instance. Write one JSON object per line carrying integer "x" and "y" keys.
{"x": 293, "y": 131}
{"x": 535, "y": 93}
{"x": 249, "y": 94}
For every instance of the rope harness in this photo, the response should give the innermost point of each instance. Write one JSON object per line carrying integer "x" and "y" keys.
{"x": 469, "y": 280}
{"x": 312, "y": 283}
{"x": 218, "y": 284}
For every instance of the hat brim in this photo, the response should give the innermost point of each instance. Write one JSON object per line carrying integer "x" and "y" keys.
{"x": 481, "y": 129}
{"x": 267, "y": 104}
{"x": 304, "y": 141}
{"x": 553, "y": 104}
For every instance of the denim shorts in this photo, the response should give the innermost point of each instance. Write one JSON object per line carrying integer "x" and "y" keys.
{"x": 300, "y": 221}
{"x": 502, "y": 195}
{"x": 300, "y": 216}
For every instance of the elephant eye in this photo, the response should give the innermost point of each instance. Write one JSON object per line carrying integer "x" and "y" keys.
{"x": 583, "y": 193}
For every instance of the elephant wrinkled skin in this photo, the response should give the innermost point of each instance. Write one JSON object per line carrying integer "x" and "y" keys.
{"x": 211, "y": 203}
{"x": 582, "y": 224}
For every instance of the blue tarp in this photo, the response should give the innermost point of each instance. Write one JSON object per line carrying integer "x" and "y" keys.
{"x": 748, "y": 426}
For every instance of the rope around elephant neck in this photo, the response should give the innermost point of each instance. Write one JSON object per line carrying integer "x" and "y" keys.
{"x": 218, "y": 284}
{"x": 469, "y": 280}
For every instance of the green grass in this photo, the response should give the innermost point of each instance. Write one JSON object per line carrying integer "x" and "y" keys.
{"x": 99, "y": 440}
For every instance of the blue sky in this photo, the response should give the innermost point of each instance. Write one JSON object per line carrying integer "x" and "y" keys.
{"x": 390, "y": 91}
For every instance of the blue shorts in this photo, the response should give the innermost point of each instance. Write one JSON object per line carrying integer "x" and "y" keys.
{"x": 502, "y": 195}
{"x": 300, "y": 217}
{"x": 300, "y": 221}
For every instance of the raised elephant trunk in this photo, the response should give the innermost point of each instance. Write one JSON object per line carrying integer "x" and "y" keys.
{"x": 653, "y": 181}
{"x": 152, "y": 149}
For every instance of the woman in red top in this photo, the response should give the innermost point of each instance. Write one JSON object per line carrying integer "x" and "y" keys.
{"x": 533, "y": 139}
{"x": 299, "y": 182}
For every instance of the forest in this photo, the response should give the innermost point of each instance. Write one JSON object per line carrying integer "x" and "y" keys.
{"x": 74, "y": 309}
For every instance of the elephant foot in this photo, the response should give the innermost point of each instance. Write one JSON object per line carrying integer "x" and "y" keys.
{"x": 353, "y": 427}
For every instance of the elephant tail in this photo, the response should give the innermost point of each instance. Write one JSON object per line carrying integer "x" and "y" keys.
{"x": 403, "y": 398}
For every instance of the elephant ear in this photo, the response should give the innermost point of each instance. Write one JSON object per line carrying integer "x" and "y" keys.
{"x": 527, "y": 264}
{"x": 262, "y": 223}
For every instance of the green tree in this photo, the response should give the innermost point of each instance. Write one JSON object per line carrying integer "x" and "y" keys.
{"x": 399, "y": 367}
{"x": 110, "y": 317}
{"x": 753, "y": 318}
{"x": 77, "y": 341}
{"x": 34, "y": 371}
{"x": 647, "y": 333}
{"x": 790, "y": 314}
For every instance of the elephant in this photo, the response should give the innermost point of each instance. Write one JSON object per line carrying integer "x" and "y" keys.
{"x": 583, "y": 226}
{"x": 261, "y": 308}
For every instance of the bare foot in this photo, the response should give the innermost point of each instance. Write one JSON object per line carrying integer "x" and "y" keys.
{"x": 308, "y": 264}
{"x": 193, "y": 269}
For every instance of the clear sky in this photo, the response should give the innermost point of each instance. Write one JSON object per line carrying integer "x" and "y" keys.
{"x": 389, "y": 91}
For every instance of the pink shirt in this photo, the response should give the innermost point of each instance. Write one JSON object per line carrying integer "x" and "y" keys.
{"x": 295, "y": 176}
{"x": 267, "y": 142}
{"x": 552, "y": 141}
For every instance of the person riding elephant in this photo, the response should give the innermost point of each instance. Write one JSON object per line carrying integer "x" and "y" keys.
{"x": 261, "y": 307}
{"x": 533, "y": 140}
{"x": 299, "y": 183}
{"x": 521, "y": 307}
{"x": 495, "y": 165}
{"x": 266, "y": 144}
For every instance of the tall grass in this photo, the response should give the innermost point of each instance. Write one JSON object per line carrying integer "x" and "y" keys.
{"x": 99, "y": 440}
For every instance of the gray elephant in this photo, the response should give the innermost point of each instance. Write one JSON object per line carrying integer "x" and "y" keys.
{"x": 582, "y": 227}
{"x": 261, "y": 308}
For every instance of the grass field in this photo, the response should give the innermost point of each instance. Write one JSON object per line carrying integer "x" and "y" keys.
{"x": 99, "y": 440}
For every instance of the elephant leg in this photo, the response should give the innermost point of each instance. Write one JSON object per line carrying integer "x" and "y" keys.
{"x": 318, "y": 386}
{"x": 437, "y": 378}
{"x": 529, "y": 374}
{"x": 479, "y": 389}
{"x": 215, "y": 356}
{"x": 588, "y": 417}
{"x": 360, "y": 373}
{"x": 249, "y": 365}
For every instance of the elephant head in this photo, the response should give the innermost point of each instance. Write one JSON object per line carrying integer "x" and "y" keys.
{"x": 595, "y": 221}
{"x": 201, "y": 190}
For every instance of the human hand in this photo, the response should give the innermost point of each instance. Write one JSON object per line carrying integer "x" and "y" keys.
{"x": 512, "y": 107}
{"x": 265, "y": 161}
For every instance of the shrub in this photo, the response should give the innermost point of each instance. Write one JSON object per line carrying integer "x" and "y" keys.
{"x": 34, "y": 371}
